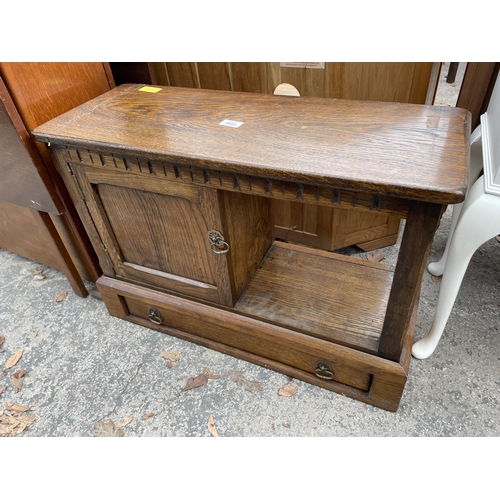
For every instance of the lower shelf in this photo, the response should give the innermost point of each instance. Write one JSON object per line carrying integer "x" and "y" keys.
{"x": 360, "y": 375}
{"x": 333, "y": 297}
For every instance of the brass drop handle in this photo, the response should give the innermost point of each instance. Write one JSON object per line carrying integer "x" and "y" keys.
{"x": 323, "y": 370}
{"x": 218, "y": 245}
{"x": 154, "y": 316}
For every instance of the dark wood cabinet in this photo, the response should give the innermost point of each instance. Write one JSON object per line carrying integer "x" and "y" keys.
{"x": 178, "y": 208}
{"x": 170, "y": 235}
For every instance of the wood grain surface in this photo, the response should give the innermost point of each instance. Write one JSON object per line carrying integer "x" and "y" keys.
{"x": 411, "y": 151}
{"x": 357, "y": 374}
{"x": 333, "y": 297}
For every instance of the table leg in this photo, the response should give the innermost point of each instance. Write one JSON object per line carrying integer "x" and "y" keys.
{"x": 421, "y": 224}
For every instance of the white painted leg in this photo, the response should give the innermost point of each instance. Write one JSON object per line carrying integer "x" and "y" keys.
{"x": 476, "y": 166}
{"x": 479, "y": 222}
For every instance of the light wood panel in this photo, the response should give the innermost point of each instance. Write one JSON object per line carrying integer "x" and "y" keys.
{"x": 373, "y": 81}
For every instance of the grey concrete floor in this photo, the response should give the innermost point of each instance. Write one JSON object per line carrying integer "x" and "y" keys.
{"x": 84, "y": 367}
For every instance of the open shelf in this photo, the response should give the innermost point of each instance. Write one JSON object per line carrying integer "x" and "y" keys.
{"x": 332, "y": 297}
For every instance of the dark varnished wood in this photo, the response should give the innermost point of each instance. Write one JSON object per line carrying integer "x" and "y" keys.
{"x": 375, "y": 81}
{"x": 388, "y": 148}
{"x": 157, "y": 232}
{"x": 358, "y": 374}
{"x": 475, "y": 90}
{"x": 249, "y": 233}
{"x": 278, "y": 190}
{"x": 320, "y": 293}
{"x": 421, "y": 224}
{"x": 291, "y": 306}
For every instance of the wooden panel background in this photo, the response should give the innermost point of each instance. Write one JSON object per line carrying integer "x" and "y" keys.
{"x": 374, "y": 81}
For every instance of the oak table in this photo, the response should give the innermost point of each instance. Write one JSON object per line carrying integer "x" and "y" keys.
{"x": 174, "y": 188}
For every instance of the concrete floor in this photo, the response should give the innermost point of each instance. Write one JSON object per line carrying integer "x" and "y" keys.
{"x": 84, "y": 367}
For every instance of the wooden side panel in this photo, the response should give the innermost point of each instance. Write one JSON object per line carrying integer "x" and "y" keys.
{"x": 33, "y": 235}
{"x": 22, "y": 233}
{"x": 249, "y": 77}
{"x": 214, "y": 75}
{"x": 34, "y": 85}
{"x": 24, "y": 178}
{"x": 396, "y": 81}
{"x": 42, "y": 91}
{"x": 182, "y": 74}
{"x": 161, "y": 74}
{"x": 477, "y": 85}
{"x": 249, "y": 235}
{"x": 389, "y": 82}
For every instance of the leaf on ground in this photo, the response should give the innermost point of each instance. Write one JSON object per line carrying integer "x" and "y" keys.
{"x": 437, "y": 279}
{"x": 169, "y": 364}
{"x": 124, "y": 422}
{"x": 210, "y": 374}
{"x": 13, "y": 425}
{"x": 211, "y": 427}
{"x": 374, "y": 257}
{"x": 2, "y": 339}
{"x": 12, "y": 361}
{"x": 3, "y": 388}
{"x": 288, "y": 390}
{"x": 148, "y": 415}
{"x": 16, "y": 408}
{"x": 170, "y": 355}
{"x": 61, "y": 296}
{"x": 197, "y": 381}
{"x": 248, "y": 385}
{"x": 38, "y": 273}
{"x": 17, "y": 380}
{"x": 107, "y": 429}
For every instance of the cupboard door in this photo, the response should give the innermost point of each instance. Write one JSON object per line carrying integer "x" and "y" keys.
{"x": 157, "y": 233}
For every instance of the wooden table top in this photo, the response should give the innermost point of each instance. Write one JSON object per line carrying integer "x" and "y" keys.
{"x": 405, "y": 150}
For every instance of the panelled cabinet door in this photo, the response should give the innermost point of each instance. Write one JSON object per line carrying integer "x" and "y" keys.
{"x": 158, "y": 233}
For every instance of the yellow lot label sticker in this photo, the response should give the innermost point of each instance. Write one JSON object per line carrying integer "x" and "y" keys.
{"x": 153, "y": 90}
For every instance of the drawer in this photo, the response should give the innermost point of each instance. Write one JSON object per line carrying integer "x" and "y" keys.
{"x": 225, "y": 329}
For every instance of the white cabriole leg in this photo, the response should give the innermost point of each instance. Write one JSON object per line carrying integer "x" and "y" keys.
{"x": 476, "y": 165}
{"x": 478, "y": 222}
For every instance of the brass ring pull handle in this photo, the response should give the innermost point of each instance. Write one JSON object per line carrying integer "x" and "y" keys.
{"x": 323, "y": 370}
{"x": 218, "y": 245}
{"x": 154, "y": 316}
{"x": 225, "y": 248}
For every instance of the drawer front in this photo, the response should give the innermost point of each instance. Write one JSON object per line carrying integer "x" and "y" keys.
{"x": 226, "y": 328}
